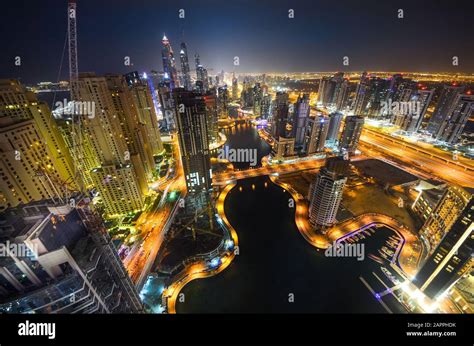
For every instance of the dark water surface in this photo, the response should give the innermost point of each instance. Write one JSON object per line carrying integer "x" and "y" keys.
{"x": 275, "y": 260}
{"x": 245, "y": 136}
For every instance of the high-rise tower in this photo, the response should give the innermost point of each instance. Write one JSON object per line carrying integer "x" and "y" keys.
{"x": 192, "y": 124}
{"x": 448, "y": 209}
{"x": 451, "y": 259}
{"x": 223, "y": 102}
{"x": 452, "y": 124}
{"x": 235, "y": 88}
{"x": 280, "y": 115}
{"x": 284, "y": 145}
{"x": 335, "y": 120}
{"x": 111, "y": 165}
{"x": 443, "y": 108}
{"x": 326, "y": 193}
{"x": 35, "y": 161}
{"x": 202, "y": 81}
{"x": 342, "y": 95}
{"x": 183, "y": 56}
{"x": 169, "y": 64}
{"x": 300, "y": 119}
{"x": 317, "y": 131}
{"x": 351, "y": 133}
{"x": 411, "y": 121}
{"x": 362, "y": 94}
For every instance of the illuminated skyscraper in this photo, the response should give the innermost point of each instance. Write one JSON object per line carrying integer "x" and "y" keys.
{"x": 247, "y": 94}
{"x": 428, "y": 198}
{"x": 371, "y": 92}
{"x": 401, "y": 98}
{"x": 451, "y": 259}
{"x": 192, "y": 122}
{"x": 257, "y": 95}
{"x": 147, "y": 117}
{"x": 396, "y": 84}
{"x": 411, "y": 121}
{"x": 222, "y": 76}
{"x": 326, "y": 193}
{"x": 335, "y": 120}
{"x": 351, "y": 133}
{"x": 341, "y": 97}
{"x": 235, "y": 88}
{"x": 183, "y": 55}
{"x": 300, "y": 119}
{"x": 35, "y": 161}
{"x": 362, "y": 94}
{"x": 330, "y": 89}
{"x": 211, "y": 101}
{"x": 114, "y": 169}
{"x": 223, "y": 101}
{"x": 280, "y": 115}
{"x": 283, "y": 148}
{"x": 266, "y": 106}
{"x": 167, "y": 108}
{"x": 452, "y": 203}
{"x": 452, "y": 123}
{"x": 443, "y": 108}
{"x": 134, "y": 106}
{"x": 378, "y": 93}
{"x": 169, "y": 64}
{"x": 317, "y": 131}
{"x": 283, "y": 145}
{"x": 202, "y": 80}
{"x": 325, "y": 91}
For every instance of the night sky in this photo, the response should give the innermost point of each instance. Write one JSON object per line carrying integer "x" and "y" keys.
{"x": 259, "y": 32}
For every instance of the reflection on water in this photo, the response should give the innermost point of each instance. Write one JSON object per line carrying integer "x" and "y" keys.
{"x": 245, "y": 136}
{"x": 275, "y": 261}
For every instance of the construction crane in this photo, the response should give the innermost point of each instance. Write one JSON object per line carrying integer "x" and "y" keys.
{"x": 191, "y": 225}
{"x": 72, "y": 39}
{"x": 76, "y": 121}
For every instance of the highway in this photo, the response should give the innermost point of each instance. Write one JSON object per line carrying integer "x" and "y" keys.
{"x": 266, "y": 169}
{"x": 153, "y": 223}
{"x": 419, "y": 158}
{"x": 427, "y": 149}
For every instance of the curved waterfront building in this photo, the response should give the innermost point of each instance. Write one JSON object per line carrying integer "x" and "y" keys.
{"x": 326, "y": 193}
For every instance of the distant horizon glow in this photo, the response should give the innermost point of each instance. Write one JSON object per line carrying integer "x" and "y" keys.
{"x": 319, "y": 36}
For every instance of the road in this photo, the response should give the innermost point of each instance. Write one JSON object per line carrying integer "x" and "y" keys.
{"x": 202, "y": 269}
{"x": 223, "y": 178}
{"x": 425, "y": 148}
{"x": 152, "y": 223}
{"x": 445, "y": 169}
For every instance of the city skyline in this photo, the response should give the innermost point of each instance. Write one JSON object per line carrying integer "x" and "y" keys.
{"x": 307, "y": 43}
{"x": 181, "y": 158}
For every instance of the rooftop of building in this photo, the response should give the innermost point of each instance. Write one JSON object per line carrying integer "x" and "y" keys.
{"x": 25, "y": 220}
{"x": 56, "y": 227}
{"x": 433, "y": 195}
